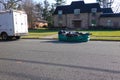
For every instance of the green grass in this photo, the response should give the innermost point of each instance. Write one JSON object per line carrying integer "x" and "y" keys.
{"x": 105, "y": 35}
{"x": 40, "y": 33}
{"x": 42, "y": 30}
{"x": 96, "y": 35}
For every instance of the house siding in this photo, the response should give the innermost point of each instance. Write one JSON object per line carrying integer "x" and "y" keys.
{"x": 61, "y": 20}
{"x": 67, "y": 20}
{"x": 115, "y": 22}
{"x": 83, "y": 17}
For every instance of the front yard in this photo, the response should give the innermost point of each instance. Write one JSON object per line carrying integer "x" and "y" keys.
{"x": 96, "y": 35}
{"x": 105, "y": 35}
{"x": 40, "y": 33}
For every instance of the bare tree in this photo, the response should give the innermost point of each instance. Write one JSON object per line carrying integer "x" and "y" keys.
{"x": 46, "y": 10}
{"x": 59, "y": 2}
{"x": 38, "y": 10}
{"x": 28, "y": 6}
{"x": 10, "y": 4}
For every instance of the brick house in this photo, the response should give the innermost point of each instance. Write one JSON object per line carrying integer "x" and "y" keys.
{"x": 81, "y": 15}
{"x": 110, "y": 20}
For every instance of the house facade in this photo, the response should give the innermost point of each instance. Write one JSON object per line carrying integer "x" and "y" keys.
{"x": 82, "y": 16}
{"x": 110, "y": 20}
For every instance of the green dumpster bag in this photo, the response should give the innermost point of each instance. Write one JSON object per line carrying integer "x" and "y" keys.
{"x": 73, "y": 36}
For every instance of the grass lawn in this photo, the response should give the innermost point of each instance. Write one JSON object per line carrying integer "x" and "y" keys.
{"x": 105, "y": 35}
{"x": 96, "y": 35}
{"x": 40, "y": 33}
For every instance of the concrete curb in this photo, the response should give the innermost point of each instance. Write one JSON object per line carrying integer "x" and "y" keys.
{"x": 42, "y": 38}
{"x": 104, "y": 40}
{"x": 57, "y": 39}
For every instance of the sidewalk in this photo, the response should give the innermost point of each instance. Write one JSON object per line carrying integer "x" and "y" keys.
{"x": 91, "y": 39}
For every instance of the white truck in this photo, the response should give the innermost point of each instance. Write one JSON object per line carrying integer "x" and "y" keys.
{"x": 13, "y": 23}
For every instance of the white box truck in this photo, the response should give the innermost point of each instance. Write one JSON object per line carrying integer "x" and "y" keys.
{"x": 13, "y": 23}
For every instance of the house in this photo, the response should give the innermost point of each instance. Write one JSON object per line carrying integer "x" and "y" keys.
{"x": 81, "y": 15}
{"x": 40, "y": 24}
{"x": 110, "y": 20}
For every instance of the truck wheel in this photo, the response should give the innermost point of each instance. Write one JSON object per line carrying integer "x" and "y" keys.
{"x": 17, "y": 37}
{"x": 10, "y": 37}
{"x": 4, "y": 36}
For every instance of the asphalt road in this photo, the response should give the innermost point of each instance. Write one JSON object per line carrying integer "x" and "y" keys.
{"x": 54, "y": 60}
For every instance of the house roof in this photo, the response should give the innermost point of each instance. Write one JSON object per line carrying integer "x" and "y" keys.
{"x": 110, "y": 15}
{"x": 107, "y": 10}
{"x": 65, "y": 9}
{"x": 84, "y": 8}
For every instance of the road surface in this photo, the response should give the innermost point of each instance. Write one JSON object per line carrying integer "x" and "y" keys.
{"x": 54, "y": 60}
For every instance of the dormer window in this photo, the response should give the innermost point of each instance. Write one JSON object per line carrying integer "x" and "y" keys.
{"x": 76, "y": 11}
{"x": 94, "y": 10}
{"x": 60, "y": 12}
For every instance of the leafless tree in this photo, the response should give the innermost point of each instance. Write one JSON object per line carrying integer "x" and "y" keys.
{"x": 28, "y": 6}
{"x": 10, "y": 4}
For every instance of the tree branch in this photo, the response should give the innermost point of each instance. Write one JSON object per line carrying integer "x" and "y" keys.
{"x": 17, "y": 1}
{"x": 4, "y": 4}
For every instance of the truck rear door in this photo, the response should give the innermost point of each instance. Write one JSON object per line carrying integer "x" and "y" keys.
{"x": 20, "y": 23}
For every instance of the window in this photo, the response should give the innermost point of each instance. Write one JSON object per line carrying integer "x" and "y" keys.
{"x": 109, "y": 22}
{"x": 60, "y": 23}
{"x": 94, "y": 10}
{"x": 93, "y": 22}
{"x": 76, "y": 11}
{"x": 60, "y": 12}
